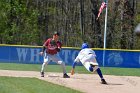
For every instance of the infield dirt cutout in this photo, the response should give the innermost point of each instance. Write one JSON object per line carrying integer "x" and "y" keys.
{"x": 87, "y": 83}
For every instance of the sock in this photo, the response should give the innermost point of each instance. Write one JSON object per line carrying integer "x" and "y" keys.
{"x": 43, "y": 65}
{"x": 100, "y": 73}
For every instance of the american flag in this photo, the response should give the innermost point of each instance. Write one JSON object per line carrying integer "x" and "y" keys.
{"x": 102, "y": 7}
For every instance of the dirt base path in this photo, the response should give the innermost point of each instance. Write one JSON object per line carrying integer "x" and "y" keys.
{"x": 87, "y": 83}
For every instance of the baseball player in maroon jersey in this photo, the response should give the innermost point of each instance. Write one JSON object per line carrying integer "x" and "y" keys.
{"x": 50, "y": 49}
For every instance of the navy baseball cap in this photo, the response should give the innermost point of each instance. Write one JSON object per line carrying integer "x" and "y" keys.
{"x": 84, "y": 45}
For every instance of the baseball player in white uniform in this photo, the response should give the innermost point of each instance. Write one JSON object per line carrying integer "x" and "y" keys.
{"x": 87, "y": 57}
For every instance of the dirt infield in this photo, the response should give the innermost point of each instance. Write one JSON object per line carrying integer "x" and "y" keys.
{"x": 86, "y": 83}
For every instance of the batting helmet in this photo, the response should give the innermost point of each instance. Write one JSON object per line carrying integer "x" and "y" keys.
{"x": 84, "y": 45}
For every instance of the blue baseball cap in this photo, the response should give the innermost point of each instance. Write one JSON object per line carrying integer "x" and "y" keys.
{"x": 84, "y": 45}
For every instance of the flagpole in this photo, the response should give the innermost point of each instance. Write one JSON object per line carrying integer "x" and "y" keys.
{"x": 105, "y": 29}
{"x": 105, "y": 25}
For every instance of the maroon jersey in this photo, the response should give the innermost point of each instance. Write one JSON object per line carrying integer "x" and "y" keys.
{"x": 52, "y": 48}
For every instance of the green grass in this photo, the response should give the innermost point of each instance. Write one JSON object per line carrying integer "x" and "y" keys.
{"x": 78, "y": 69}
{"x": 37, "y": 67}
{"x": 30, "y": 85}
{"x": 121, "y": 71}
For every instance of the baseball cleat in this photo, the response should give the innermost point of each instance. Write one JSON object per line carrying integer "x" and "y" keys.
{"x": 66, "y": 76}
{"x": 42, "y": 74}
{"x": 103, "y": 81}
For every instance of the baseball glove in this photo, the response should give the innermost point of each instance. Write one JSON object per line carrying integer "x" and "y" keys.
{"x": 58, "y": 49}
{"x": 53, "y": 43}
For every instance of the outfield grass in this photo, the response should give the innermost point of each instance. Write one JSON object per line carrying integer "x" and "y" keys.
{"x": 30, "y": 85}
{"x": 78, "y": 69}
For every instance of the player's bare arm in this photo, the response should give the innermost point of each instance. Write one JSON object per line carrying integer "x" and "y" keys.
{"x": 73, "y": 67}
{"x": 43, "y": 49}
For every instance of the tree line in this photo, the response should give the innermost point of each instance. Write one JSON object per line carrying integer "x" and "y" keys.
{"x": 31, "y": 22}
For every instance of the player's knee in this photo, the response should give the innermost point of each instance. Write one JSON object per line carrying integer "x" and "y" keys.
{"x": 44, "y": 63}
{"x": 91, "y": 69}
{"x": 60, "y": 62}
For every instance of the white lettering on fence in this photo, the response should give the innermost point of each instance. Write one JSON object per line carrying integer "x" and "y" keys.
{"x": 34, "y": 55}
{"x": 22, "y": 52}
{"x": 66, "y": 54}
